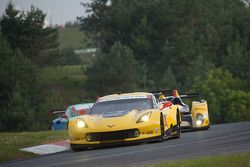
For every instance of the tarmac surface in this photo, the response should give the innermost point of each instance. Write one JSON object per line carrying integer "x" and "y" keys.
{"x": 218, "y": 140}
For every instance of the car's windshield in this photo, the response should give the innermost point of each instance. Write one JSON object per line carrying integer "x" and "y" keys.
{"x": 68, "y": 112}
{"x": 121, "y": 107}
{"x": 74, "y": 111}
{"x": 79, "y": 112}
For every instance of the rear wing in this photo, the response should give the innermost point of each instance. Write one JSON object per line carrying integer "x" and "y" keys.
{"x": 169, "y": 94}
{"x": 159, "y": 93}
{"x": 57, "y": 111}
{"x": 189, "y": 95}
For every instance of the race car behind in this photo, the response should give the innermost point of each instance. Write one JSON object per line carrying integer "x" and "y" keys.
{"x": 195, "y": 119}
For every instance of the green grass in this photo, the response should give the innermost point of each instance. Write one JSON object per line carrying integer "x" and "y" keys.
{"x": 67, "y": 76}
{"x": 71, "y": 38}
{"x": 232, "y": 160}
{"x": 11, "y": 143}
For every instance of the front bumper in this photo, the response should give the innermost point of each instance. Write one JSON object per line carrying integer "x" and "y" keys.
{"x": 186, "y": 125}
{"x": 114, "y": 143}
{"x": 205, "y": 125}
{"x": 91, "y": 138}
{"x": 186, "y": 121}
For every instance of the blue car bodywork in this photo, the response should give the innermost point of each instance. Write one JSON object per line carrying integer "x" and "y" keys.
{"x": 61, "y": 122}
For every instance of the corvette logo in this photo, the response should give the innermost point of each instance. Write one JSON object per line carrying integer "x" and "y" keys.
{"x": 110, "y": 125}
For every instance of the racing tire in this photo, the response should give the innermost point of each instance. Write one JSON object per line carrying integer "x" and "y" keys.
{"x": 77, "y": 147}
{"x": 208, "y": 127}
{"x": 178, "y": 125}
{"x": 162, "y": 137}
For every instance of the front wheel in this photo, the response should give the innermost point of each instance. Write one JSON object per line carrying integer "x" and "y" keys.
{"x": 178, "y": 125}
{"x": 162, "y": 137}
{"x": 77, "y": 147}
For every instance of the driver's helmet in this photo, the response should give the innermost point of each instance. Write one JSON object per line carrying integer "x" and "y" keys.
{"x": 161, "y": 97}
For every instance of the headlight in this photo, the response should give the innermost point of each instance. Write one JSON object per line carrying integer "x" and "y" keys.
{"x": 144, "y": 118}
{"x": 81, "y": 123}
{"x": 199, "y": 119}
{"x": 198, "y": 122}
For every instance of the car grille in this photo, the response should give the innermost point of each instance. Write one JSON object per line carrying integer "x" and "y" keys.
{"x": 113, "y": 135}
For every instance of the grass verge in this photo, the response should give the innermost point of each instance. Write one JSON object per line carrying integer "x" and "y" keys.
{"x": 71, "y": 38}
{"x": 232, "y": 160}
{"x": 10, "y": 143}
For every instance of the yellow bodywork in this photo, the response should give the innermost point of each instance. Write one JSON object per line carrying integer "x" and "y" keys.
{"x": 110, "y": 125}
{"x": 200, "y": 108}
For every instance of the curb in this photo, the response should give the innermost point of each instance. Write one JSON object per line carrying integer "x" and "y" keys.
{"x": 50, "y": 148}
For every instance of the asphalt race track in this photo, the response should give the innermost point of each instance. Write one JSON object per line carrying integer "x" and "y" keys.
{"x": 219, "y": 139}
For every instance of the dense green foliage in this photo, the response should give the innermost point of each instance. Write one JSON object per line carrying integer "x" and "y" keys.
{"x": 65, "y": 83}
{"x": 190, "y": 45}
{"x": 117, "y": 71}
{"x": 176, "y": 34}
{"x": 227, "y": 100}
{"x": 22, "y": 38}
{"x": 70, "y": 37}
{"x": 25, "y": 31}
{"x": 20, "y": 100}
{"x": 28, "y": 49}
{"x": 59, "y": 57}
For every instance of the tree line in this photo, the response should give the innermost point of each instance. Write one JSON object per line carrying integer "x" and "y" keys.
{"x": 26, "y": 46}
{"x": 191, "y": 45}
{"x": 23, "y": 104}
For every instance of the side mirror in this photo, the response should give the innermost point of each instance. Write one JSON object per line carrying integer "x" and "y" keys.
{"x": 166, "y": 104}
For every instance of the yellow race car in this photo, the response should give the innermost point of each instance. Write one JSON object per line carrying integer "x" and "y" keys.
{"x": 200, "y": 115}
{"x": 197, "y": 118}
{"x": 124, "y": 118}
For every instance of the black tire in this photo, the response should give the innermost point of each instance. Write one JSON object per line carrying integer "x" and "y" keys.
{"x": 162, "y": 137}
{"x": 76, "y": 147}
{"x": 207, "y": 127}
{"x": 67, "y": 126}
{"x": 178, "y": 128}
{"x": 178, "y": 118}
